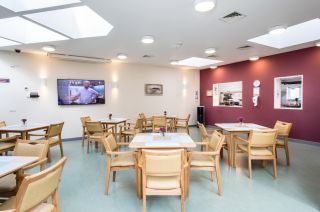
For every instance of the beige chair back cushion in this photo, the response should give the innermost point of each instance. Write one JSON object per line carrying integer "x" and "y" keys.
{"x": 163, "y": 164}
{"x": 94, "y": 127}
{"x": 139, "y": 124}
{"x": 263, "y": 137}
{"x": 159, "y": 121}
{"x": 216, "y": 141}
{"x": 141, "y": 115}
{"x": 203, "y": 130}
{"x": 2, "y": 124}
{"x": 28, "y": 149}
{"x": 55, "y": 130}
{"x": 110, "y": 143}
{"x": 283, "y": 127}
{"x": 84, "y": 120}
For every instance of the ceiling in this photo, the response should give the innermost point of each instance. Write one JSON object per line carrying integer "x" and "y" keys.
{"x": 175, "y": 21}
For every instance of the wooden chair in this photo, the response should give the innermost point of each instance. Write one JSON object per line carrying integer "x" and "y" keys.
{"x": 209, "y": 159}
{"x": 147, "y": 122}
{"x": 54, "y": 136}
{"x": 10, "y": 183}
{"x": 3, "y": 124}
{"x": 283, "y": 133}
{"x": 117, "y": 161}
{"x": 7, "y": 144}
{"x": 258, "y": 146}
{"x": 159, "y": 122}
{"x": 83, "y": 124}
{"x": 182, "y": 123}
{"x": 36, "y": 189}
{"x": 163, "y": 174}
{"x": 96, "y": 133}
{"x": 131, "y": 129}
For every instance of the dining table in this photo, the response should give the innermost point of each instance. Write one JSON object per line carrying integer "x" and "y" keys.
{"x": 24, "y": 129}
{"x": 11, "y": 164}
{"x": 159, "y": 141}
{"x": 115, "y": 122}
{"x": 233, "y": 129}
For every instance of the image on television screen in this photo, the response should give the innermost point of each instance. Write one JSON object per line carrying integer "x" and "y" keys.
{"x": 80, "y": 92}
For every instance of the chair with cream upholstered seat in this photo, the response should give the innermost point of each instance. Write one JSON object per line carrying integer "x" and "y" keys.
{"x": 7, "y": 144}
{"x": 163, "y": 174}
{"x": 209, "y": 160}
{"x": 261, "y": 145}
{"x": 147, "y": 122}
{"x": 3, "y": 124}
{"x": 36, "y": 189}
{"x": 283, "y": 133}
{"x": 117, "y": 161}
{"x": 53, "y": 135}
{"x": 131, "y": 129}
{"x": 8, "y": 184}
{"x": 182, "y": 123}
{"x": 159, "y": 122}
{"x": 84, "y": 129}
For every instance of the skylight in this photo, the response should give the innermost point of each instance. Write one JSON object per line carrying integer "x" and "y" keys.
{"x": 294, "y": 35}
{"x": 197, "y": 62}
{"x": 5, "y": 42}
{"x": 75, "y": 22}
{"x": 24, "y": 31}
{"x": 24, "y": 5}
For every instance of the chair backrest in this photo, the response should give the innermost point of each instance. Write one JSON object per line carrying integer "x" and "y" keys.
{"x": 283, "y": 127}
{"x": 203, "y": 131}
{"x": 142, "y": 115}
{"x": 38, "y": 148}
{"x": 188, "y": 117}
{"x": 263, "y": 138}
{"x": 55, "y": 129}
{"x": 94, "y": 127}
{"x": 110, "y": 143}
{"x": 84, "y": 120}
{"x": 159, "y": 121}
{"x": 216, "y": 141}
{"x": 139, "y": 124}
{"x": 36, "y": 188}
{"x": 163, "y": 162}
{"x": 2, "y": 124}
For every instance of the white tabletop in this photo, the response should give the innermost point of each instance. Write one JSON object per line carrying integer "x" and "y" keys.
{"x": 238, "y": 127}
{"x": 21, "y": 127}
{"x": 157, "y": 140}
{"x": 10, "y": 164}
{"x": 113, "y": 120}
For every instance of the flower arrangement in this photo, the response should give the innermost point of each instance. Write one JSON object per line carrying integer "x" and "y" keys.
{"x": 241, "y": 120}
{"x": 24, "y": 122}
{"x": 110, "y": 116}
{"x": 165, "y": 113}
{"x": 162, "y": 130}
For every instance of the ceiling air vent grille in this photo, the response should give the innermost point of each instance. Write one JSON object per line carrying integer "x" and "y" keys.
{"x": 244, "y": 47}
{"x": 147, "y": 56}
{"x": 212, "y": 56}
{"x": 233, "y": 17}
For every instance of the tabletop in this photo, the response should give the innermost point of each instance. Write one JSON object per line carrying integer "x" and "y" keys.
{"x": 157, "y": 140}
{"x": 113, "y": 120}
{"x": 21, "y": 127}
{"x": 237, "y": 127}
{"x": 10, "y": 164}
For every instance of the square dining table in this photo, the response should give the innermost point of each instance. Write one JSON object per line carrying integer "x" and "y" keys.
{"x": 157, "y": 141}
{"x": 11, "y": 164}
{"x": 233, "y": 129}
{"x": 115, "y": 122}
{"x": 23, "y": 130}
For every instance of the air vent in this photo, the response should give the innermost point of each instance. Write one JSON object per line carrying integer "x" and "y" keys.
{"x": 232, "y": 17}
{"x": 147, "y": 56}
{"x": 212, "y": 56}
{"x": 244, "y": 47}
{"x": 78, "y": 58}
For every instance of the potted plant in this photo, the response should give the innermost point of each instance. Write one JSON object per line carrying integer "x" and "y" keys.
{"x": 110, "y": 116}
{"x": 162, "y": 130}
{"x": 241, "y": 120}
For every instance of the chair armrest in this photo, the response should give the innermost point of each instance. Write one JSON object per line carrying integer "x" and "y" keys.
{"x": 123, "y": 144}
{"x": 38, "y": 135}
{"x": 202, "y": 143}
{"x": 203, "y": 153}
{"x": 9, "y": 139}
{"x": 38, "y": 163}
{"x": 240, "y": 139}
{"x": 122, "y": 153}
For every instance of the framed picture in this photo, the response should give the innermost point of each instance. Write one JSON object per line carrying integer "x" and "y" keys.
{"x": 153, "y": 89}
{"x": 4, "y": 80}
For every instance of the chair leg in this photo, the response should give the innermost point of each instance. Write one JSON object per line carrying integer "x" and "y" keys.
{"x": 88, "y": 146}
{"x": 61, "y": 149}
{"x": 287, "y": 154}
{"x": 221, "y": 153}
{"x": 218, "y": 178}
{"x": 107, "y": 177}
{"x": 144, "y": 202}
{"x": 212, "y": 176}
{"x": 83, "y": 136}
{"x": 182, "y": 201}
{"x": 55, "y": 200}
{"x": 249, "y": 168}
{"x": 114, "y": 176}
{"x": 188, "y": 130}
{"x": 49, "y": 155}
{"x": 275, "y": 168}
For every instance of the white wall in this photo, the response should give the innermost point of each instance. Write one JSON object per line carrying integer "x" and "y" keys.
{"x": 128, "y": 100}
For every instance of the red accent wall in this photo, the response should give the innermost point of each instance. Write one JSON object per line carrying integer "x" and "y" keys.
{"x": 306, "y": 62}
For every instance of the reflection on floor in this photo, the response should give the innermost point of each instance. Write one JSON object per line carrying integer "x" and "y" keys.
{"x": 297, "y": 187}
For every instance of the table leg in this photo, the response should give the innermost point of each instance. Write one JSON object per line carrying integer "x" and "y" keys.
{"x": 233, "y": 150}
{"x": 139, "y": 175}
{"x": 23, "y": 136}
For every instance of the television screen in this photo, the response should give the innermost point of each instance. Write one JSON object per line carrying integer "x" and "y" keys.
{"x": 80, "y": 92}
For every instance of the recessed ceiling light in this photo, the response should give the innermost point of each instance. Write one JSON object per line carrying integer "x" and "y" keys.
{"x": 294, "y": 35}
{"x": 75, "y": 22}
{"x": 24, "y": 5}
{"x": 174, "y": 62}
{"x": 5, "y": 42}
{"x": 122, "y": 56}
{"x": 49, "y": 48}
{"x": 318, "y": 44}
{"x": 254, "y": 58}
{"x": 210, "y": 51}
{"x": 24, "y": 31}
{"x": 197, "y": 62}
{"x": 213, "y": 67}
{"x": 204, "y": 5}
{"x": 277, "y": 30}
{"x": 147, "y": 39}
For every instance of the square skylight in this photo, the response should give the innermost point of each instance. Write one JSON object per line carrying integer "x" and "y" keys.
{"x": 75, "y": 22}
{"x": 197, "y": 62}
{"x": 297, "y": 34}
{"x": 5, "y": 42}
{"x": 24, "y": 5}
{"x": 24, "y": 31}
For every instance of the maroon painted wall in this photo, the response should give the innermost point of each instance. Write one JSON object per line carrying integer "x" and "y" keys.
{"x": 306, "y": 62}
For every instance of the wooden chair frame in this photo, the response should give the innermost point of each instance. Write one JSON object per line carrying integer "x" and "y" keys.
{"x": 84, "y": 129}
{"x": 155, "y": 124}
{"x": 285, "y": 136}
{"x": 7, "y": 144}
{"x": 147, "y": 122}
{"x": 131, "y": 129}
{"x": 184, "y": 123}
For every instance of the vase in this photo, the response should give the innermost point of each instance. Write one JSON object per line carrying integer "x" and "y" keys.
{"x": 162, "y": 133}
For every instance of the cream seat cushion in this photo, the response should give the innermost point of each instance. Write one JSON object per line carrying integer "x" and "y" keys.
{"x": 256, "y": 151}
{"x": 181, "y": 125}
{"x": 163, "y": 183}
{"x": 123, "y": 160}
{"x": 6, "y": 146}
{"x": 44, "y": 207}
{"x": 8, "y": 183}
{"x": 201, "y": 160}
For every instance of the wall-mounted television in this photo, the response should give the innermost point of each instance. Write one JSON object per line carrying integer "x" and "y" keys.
{"x": 80, "y": 92}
